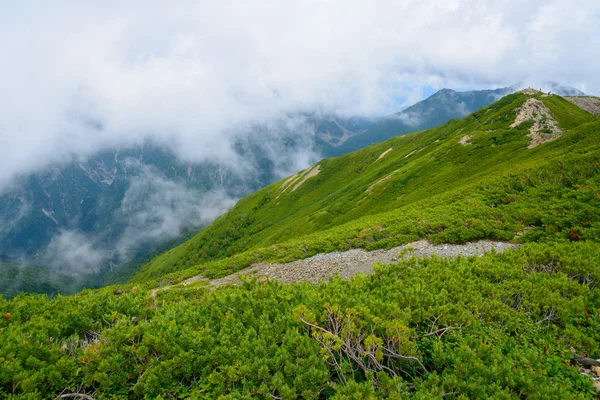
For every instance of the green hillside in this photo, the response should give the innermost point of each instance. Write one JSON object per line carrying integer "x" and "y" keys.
{"x": 428, "y": 185}
{"x": 437, "y": 109}
{"x": 522, "y": 324}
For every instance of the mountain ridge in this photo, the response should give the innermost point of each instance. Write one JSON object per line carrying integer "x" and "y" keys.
{"x": 260, "y": 219}
{"x": 517, "y": 323}
{"x": 438, "y": 108}
{"x": 79, "y": 209}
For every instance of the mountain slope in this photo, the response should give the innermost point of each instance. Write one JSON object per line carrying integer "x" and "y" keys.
{"x": 15, "y": 279}
{"x": 88, "y": 217}
{"x": 437, "y": 109}
{"x": 373, "y": 197}
{"x": 518, "y": 324}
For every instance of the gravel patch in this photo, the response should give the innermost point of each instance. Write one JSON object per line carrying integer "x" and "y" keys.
{"x": 465, "y": 140}
{"x": 347, "y": 263}
{"x": 589, "y": 104}
{"x": 544, "y": 128}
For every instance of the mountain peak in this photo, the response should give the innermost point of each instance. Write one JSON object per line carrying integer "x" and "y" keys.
{"x": 529, "y": 91}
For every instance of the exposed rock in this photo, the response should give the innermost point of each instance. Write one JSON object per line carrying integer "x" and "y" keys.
{"x": 314, "y": 171}
{"x": 295, "y": 181}
{"x": 289, "y": 181}
{"x": 465, "y": 140}
{"x": 347, "y": 263}
{"x": 544, "y": 128}
{"x": 586, "y": 361}
{"x": 410, "y": 154}
{"x": 589, "y": 104}
{"x": 50, "y": 214}
{"x": 385, "y": 178}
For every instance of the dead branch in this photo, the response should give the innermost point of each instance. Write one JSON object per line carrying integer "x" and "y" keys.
{"x": 441, "y": 331}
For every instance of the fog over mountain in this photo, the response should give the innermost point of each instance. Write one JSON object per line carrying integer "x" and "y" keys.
{"x": 123, "y": 125}
{"x": 80, "y": 77}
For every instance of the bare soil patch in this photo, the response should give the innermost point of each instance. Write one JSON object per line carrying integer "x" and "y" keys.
{"x": 589, "y": 104}
{"x": 465, "y": 140}
{"x": 384, "y": 153}
{"x": 544, "y": 128}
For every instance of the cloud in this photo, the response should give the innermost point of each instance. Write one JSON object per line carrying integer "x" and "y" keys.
{"x": 73, "y": 253}
{"x": 12, "y": 217}
{"x": 156, "y": 209}
{"x": 411, "y": 119}
{"x": 80, "y": 76}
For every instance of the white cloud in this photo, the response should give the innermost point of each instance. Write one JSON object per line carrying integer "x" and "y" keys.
{"x": 156, "y": 209}
{"x": 73, "y": 253}
{"x": 409, "y": 118}
{"x": 186, "y": 73}
{"x": 153, "y": 210}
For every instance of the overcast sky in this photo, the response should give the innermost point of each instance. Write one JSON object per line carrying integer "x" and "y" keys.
{"x": 185, "y": 72}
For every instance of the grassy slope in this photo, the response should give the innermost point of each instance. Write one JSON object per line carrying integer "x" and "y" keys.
{"x": 500, "y": 326}
{"x": 431, "y": 173}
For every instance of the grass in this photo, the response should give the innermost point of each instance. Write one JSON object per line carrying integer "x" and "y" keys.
{"x": 503, "y": 326}
{"x": 429, "y": 186}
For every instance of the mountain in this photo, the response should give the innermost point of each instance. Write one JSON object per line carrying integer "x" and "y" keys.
{"x": 98, "y": 219}
{"x": 15, "y": 279}
{"x": 522, "y": 323}
{"x": 405, "y": 177}
{"x": 437, "y": 109}
{"x": 87, "y": 217}
{"x": 331, "y": 131}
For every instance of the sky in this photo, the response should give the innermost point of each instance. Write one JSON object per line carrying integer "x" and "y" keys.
{"x": 77, "y": 77}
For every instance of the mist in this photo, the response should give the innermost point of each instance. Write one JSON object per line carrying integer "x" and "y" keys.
{"x": 226, "y": 87}
{"x": 156, "y": 209}
{"x": 163, "y": 201}
{"x": 77, "y": 78}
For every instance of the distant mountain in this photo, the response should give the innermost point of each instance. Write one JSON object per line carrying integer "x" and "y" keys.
{"x": 332, "y": 131}
{"x": 562, "y": 90}
{"x": 435, "y": 110}
{"x": 87, "y": 195}
{"x": 17, "y": 278}
{"x": 441, "y": 107}
{"x": 97, "y": 219}
{"x": 86, "y": 217}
